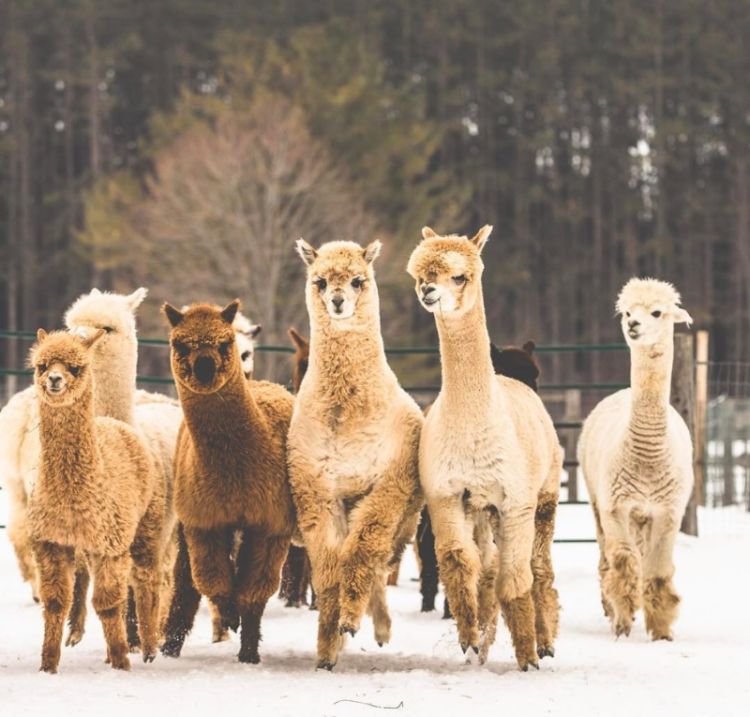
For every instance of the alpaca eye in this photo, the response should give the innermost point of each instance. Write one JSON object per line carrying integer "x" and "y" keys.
{"x": 627, "y": 314}
{"x": 656, "y": 314}
{"x": 224, "y": 348}
{"x": 245, "y": 355}
{"x": 320, "y": 283}
{"x": 459, "y": 280}
{"x": 108, "y": 329}
{"x": 74, "y": 370}
{"x": 180, "y": 348}
{"x": 357, "y": 282}
{"x": 41, "y": 368}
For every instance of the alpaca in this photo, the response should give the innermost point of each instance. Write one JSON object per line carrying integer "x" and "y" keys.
{"x": 353, "y": 446}
{"x": 99, "y": 497}
{"x": 230, "y": 469}
{"x": 296, "y": 575}
{"x": 637, "y": 459}
{"x": 490, "y": 465}
{"x": 517, "y": 363}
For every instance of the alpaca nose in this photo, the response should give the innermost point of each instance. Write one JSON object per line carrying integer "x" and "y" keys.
{"x": 633, "y": 323}
{"x": 337, "y": 301}
{"x": 55, "y": 379}
{"x": 427, "y": 289}
{"x": 205, "y": 369}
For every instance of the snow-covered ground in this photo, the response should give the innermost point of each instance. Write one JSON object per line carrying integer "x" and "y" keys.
{"x": 422, "y": 672}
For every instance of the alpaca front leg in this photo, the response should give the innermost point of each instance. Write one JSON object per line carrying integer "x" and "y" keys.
{"x": 622, "y": 581}
{"x": 77, "y": 616}
{"x": 660, "y": 600}
{"x": 110, "y": 595}
{"x": 18, "y": 534}
{"x": 184, "y": 604}
{"x": 515, "y": 579}
{"x": 603, "y": 564}
{"x": 56, "y": 565}
{"x": 546, "y": 601}
{"x": 459, "y": 563}
{"x": 428, "y": 572}
{"x": 488, "y": 606}
{"x": 212, "y": 569}
{"x": 259, "y": 564}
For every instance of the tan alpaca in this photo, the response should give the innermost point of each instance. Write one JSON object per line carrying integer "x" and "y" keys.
{"x": 230, "y": 469}
{"x": 637, "y": 458}
{"x": 352, "y": 447}
{"x": 99, "y": 497}
{"x": 490, "y": 465}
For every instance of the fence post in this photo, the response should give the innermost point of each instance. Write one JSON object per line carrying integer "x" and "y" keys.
{"x": 701, "y": 406}
{"x": 726, "y": 428}
{"x": 572, "y": 413}
{"x": 683, "y": 399}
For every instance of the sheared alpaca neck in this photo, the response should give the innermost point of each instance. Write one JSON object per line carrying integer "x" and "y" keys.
{"x": 650, "y": 381}
{"x": 465, "y": 358}
{"x": 219, "y": 422}
{"x": 70, "y": 454}
{"x": 114, "y": 381}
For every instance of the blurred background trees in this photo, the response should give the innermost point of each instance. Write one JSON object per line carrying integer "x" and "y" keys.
{"x": 184, "y": 145}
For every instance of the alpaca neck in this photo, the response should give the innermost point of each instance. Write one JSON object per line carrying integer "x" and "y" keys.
{"x": 70, "y": 454}
{"x": 114, "y": 385}
{"x": 650, "y": 380}
{"x": 465, "y": 357}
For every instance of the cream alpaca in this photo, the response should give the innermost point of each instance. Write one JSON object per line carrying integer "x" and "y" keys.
{"x": 489, "y": 464}
{"x": 98, "y": 497}
{"x": 352, "y": 447}
{"x": 637, "y": 458}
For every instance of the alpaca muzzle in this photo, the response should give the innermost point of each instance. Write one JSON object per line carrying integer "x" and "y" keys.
{"x": 204, "y": 369}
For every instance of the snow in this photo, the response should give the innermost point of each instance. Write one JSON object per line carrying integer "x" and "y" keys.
{"x": 422, "y": 671}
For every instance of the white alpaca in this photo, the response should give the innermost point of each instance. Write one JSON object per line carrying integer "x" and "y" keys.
{"x": 637, "y": 458}
{"x": 489, "y": 462}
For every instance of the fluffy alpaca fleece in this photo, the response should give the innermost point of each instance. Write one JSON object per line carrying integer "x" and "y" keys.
{"x": 99, "y": 498}
{"x": 637, "y": 458}
{"x": 230, "y": 469}
{"x": 490, "y": 465}
{"x": 353, "y": 447}
{"x": 511, "y": 361}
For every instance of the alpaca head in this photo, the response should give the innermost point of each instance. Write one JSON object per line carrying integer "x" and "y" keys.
{"x": 301, "y": 357}
{"x": 203, "y": 346}
{"x": 246, "y": 333}
{"x": 648, "y": 310}
{"x": 340, "y": 280}
{"x": 448, "y": 270}
{"x": 112, "y": 313}
{"x": 62, "y": 365}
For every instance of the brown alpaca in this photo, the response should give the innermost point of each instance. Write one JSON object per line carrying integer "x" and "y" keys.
{"x": 98, "y": 497}
{"x": 230, "y": 469}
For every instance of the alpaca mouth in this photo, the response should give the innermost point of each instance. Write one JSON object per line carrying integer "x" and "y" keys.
{"x": 429, "y": 301}
{"x": 55, "y": 390}
{"x": 205, "y": 370}
{"x": 634, "y": 333}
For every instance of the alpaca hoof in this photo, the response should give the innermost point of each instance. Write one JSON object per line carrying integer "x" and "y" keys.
{"x": 622, "y": 627}
{"x": 345, "y": 628}
{"x": 73, "y": 638}
{"x": 667, "y": 636}
{"x": 428, "y": 605}
{"x": 121, "y": 663}
{"x": 325, "y": 665}
{"x": 134, "y": 649}
{"x": 171, "y": 648}
{"x": 525, "y": 666}
{"x": 48, "y": 670}
{"x": 546, "y": 652}
{"x": 251, "y": 657}
{"x": 380, "y": 644}
{"x": 149, "y": 656}
{"x": 476, "y": 649}
{"x": 220, "y": 635}
{"x": 466, "y": 645}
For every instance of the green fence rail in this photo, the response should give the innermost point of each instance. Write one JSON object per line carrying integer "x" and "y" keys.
{"x": 399, "y": 351}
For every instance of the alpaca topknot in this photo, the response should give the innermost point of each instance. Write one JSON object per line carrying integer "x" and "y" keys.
{"x": 647, "y": 292}
{"x": 102, "y": 308}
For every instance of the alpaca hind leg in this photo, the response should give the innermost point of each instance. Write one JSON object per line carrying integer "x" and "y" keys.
{"x": 110, "y": 576}
{"x": 428, "y": 573}
{"x": 546, "y": 601}
{"x": 258, "y": 570}
{"x": 459, "y": 563}
{"x": 515, "y": 580}
{"x": 603, "y": 564}
{"x": 77, "y": 615}
{"x": 185, "y": 601}
{"x": 488, "y": 606}
{"x": 330, "y": 640}
{"x": 293, "y": 588}
{"x": 378, "y": 608}
{"x": 131, "y": 623}
{"x": 213, "y": 571}
{"x": 219, "y": 632}
{"x": 622, "y": 581}
{"x": 56, "y": 571}
{"x": 660, "y": 600}
{"x": 18, "y": 534}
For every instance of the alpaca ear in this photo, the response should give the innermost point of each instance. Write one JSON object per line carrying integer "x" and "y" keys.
{"x": 428, "y": 233}
{"x": 306, "y": 251}
{"x": 255, "y": 329}
{"x": 299, "y": 341}
{"x": 136, "y": 298}
{"x": 480, "y": 238}
{"x": 174, "y": 316}
{"x": 95, "y": 292}
{"x": 682, "y": 317}
{"x": 89, "y": 341}
{"x": 230, "y": 311}
{"x": 41, "y": 334}
{"x": 529, "y": 347}
{"x": 372, "y": 251}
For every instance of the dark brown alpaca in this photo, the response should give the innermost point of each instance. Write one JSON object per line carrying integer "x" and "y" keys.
{"x": 296, "y": 576}
{"x": 230, "y": 471}
{"x": 518, "y": 363}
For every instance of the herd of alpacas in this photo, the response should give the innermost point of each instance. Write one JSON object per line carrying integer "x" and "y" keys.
{"x": 160, "y": 502}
